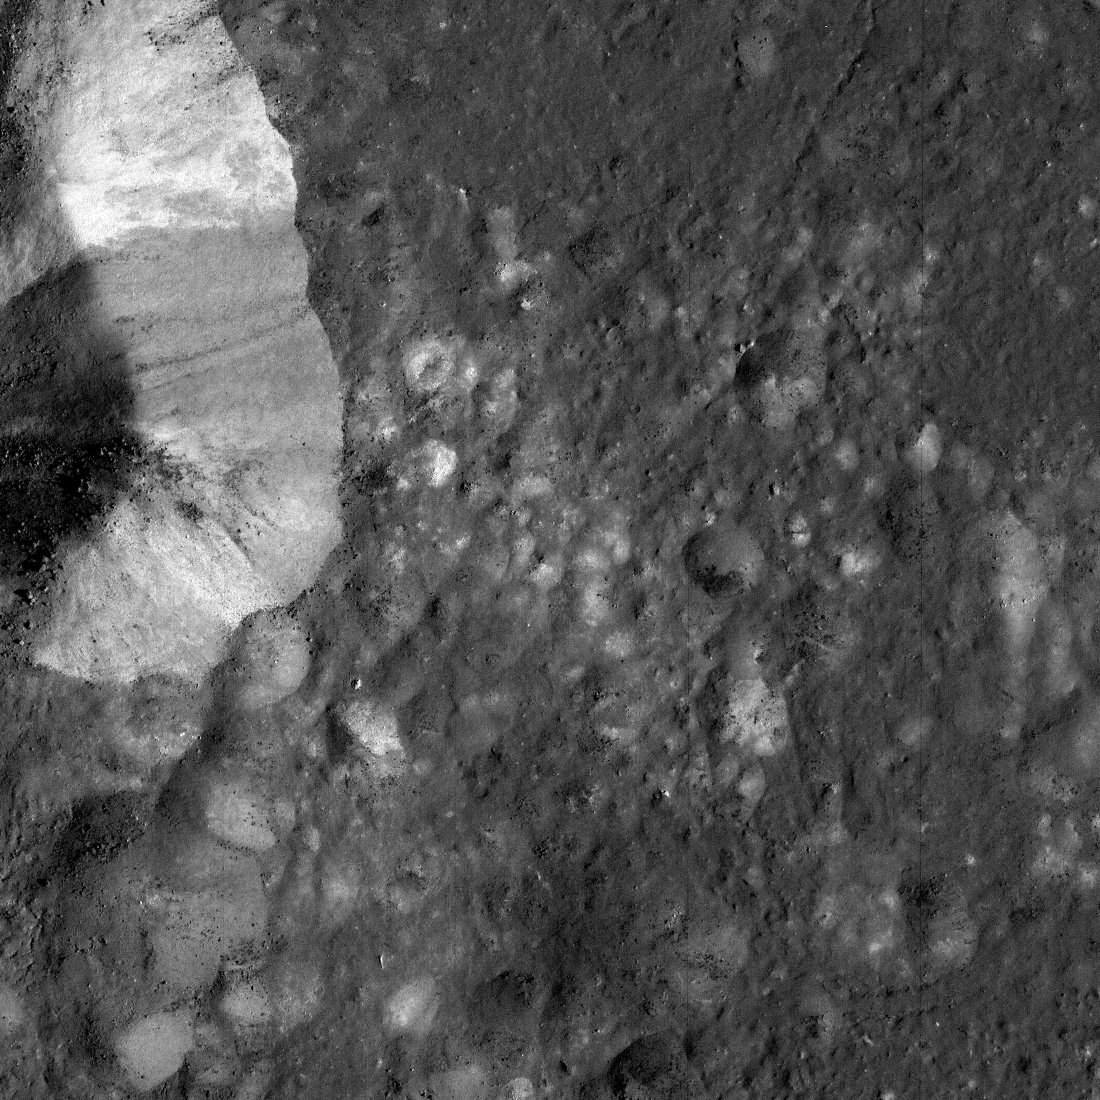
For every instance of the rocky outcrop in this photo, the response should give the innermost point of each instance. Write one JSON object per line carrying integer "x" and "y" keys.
{"x": 151, "y": 163}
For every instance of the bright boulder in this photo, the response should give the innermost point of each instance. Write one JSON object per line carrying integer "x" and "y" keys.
{"x": 152, "y": 1049}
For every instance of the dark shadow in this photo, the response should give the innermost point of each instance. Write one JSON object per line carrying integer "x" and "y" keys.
{"x": 100, "y": 828}
{"x": 67, "y": 450}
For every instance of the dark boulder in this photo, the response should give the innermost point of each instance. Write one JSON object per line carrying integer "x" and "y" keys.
{"x": 654, "y": 1067}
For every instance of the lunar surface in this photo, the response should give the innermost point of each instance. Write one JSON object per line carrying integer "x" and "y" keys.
{"x": 156, "y": 186}
{"x": 549, "y": 551}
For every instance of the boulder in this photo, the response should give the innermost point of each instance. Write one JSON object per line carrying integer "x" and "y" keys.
{"x": 151, "y": 1050}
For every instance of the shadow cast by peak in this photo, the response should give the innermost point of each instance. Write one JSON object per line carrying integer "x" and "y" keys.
{"x": 67, "y": 447}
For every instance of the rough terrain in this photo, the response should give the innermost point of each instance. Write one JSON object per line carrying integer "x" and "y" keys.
{"x": 703, "y": 699}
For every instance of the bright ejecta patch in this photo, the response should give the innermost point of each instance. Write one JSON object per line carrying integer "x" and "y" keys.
{"x": 142, "y": 130}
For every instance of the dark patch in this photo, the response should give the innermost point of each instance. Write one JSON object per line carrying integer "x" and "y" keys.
{"x": 715, "y": 559}
{"x": 189, "y": 510}
{"x": 1083, "y": 536}
{"x": 655, "y": 1065}
{"x": 758, "y": 362}
{"x": 371, "y": 479}
{"x": 813, "y": 627}
{"x": 67, "y": 452}
{"x": 596, "y": 252}
{"x": 511, "y": 998}
{"x": 911, "y": 519}
{"x": 100, "y": 828}
{"x": 338, "y": 739}
{"x": 180, "y": 31}
{"x": 920, "y": 897}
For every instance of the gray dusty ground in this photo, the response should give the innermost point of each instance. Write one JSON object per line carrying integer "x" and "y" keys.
{"x": 704, "y": 701}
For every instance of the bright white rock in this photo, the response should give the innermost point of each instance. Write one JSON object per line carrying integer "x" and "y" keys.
{"x": 154, "y": 165}
{"x": 412, "y": 1008}
{"x": 376, "y": 729}
{"x": 924, "y": 453}
{"x": 430, "y": 365}
{"x": 756, "y": 718}
{"x": 153, "y": 1049}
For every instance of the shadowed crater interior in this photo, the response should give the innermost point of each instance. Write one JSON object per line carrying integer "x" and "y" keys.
{"x": 67, "y": 451}
{"x": 101, "y": 827}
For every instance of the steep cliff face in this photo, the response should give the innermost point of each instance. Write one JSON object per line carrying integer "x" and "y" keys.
{"x": 149, "y": 162}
